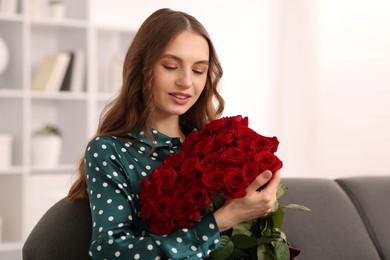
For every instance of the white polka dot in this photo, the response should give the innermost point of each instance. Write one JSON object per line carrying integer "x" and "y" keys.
{"x": 117, "y": 253}
{"x": 120, "y": 207}
{"x": 109, "y": 176}
{"x": 154, "y": 131}
{"x": 194, "y": 248}
{"x": 123, "y": 237}
{"x": 89, "y": 148}
{"x": 110, "y": 218}
{"x": 155, "y": 154}
{"x": 111, "y": 241}
{"x": 99, "y": 196}
{"x": 120, "y": 186}
{"x": 91, "y": 192}
{"x": 148, "y": 167}
{"x": 104, "y": 163}
{"x": 115, "y": 174}
{"x": 205, "y": 238}
{"x": 97, "y": 138}
{"x": 100, "y": 229}
{"x": 100, "y": 212}
{"x": 120, "y": 225}
{"x": 97, "y": 169}
{"x": 185, "y": 229}
{"x": 113, "y": 157}
{"x": 174, "y": 250}
{"x": 131, "y": 166}
{"x": 144, "y": 174}
{"x": 142, "y": 148}
{"x": 199, "y": 255}
{"x": 127, "y": 144}
{"x": 89, "y": 164}
{"x": 95, "y": 155}
{"x": 123, "y": 150}
{"x": 118, "y": 191}
{"x": 150, "y": 247}
{"x": 216, "y": 241}
{"x": 179, "y": 239}
{"x": 110, "y": 232}
{"x": 158, "y": 258}
{"x": 104, "y": 146}
{"x": 130, "y": 246}
{"x": 130, "y": 217}
{"x": 142, "y": 133}
{"x": 105, "y": 184}
{"x": 109, "y": 201}
{"x": 93, "y": 179}
{"x": 211, "y": 226}
{"x": 137, "y": 256}
{"x": 158, "y": 242}
{"x": 99, "y": 248}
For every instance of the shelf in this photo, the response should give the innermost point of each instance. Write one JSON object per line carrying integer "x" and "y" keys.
{"x": 58, "y": 95}
{"x": 14, "y": 170}
{"x": 60, "y": 169}
{"x": 51, "y": 22}
{"x": 10, "y": 246}
{"x": 11, "y": 93}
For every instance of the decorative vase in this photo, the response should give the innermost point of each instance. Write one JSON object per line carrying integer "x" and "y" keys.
{"x": 46, "y": 150}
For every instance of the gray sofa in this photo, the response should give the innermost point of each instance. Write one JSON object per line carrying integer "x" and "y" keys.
{"x": 349, "y": 220}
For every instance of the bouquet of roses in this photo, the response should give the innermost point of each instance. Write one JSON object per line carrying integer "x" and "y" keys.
{"x": 215, "y": 165}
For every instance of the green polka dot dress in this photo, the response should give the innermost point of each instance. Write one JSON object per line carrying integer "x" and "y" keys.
{"x": 114, "y": 169}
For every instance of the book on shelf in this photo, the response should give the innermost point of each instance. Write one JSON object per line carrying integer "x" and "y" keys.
{"x": 51, "y": 72}
{"x": 62, "y": 71}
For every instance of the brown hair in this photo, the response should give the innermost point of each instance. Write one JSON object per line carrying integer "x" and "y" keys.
{"x": 134, "y": 103}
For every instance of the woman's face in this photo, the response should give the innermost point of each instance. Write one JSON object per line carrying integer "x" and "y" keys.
{"x": 179, "y": 75}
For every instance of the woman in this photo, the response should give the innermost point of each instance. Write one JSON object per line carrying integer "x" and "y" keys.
{"x": 170, "y": 77}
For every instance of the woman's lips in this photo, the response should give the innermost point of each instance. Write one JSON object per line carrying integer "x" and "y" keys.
{"x": 180, "y": 98}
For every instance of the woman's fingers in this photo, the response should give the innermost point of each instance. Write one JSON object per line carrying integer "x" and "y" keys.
{"x": 260, "y": 180}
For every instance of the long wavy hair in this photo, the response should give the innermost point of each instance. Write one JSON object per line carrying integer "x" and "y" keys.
{"x": 133, "y": 106}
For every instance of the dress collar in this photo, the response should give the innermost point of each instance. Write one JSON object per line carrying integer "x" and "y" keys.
{"x": 160, "y": 139}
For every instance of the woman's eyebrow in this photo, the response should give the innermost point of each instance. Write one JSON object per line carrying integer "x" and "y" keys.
{"x": 171, "y": 56}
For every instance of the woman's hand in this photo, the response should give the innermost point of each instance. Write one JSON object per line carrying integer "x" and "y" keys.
{"x": 256, "y": 203}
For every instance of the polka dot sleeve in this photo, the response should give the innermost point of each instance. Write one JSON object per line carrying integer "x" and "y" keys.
{"x": 118, "y": 231}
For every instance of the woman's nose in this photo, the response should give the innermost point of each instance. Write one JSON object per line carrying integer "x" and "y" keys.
{"x": 184, "y": 79}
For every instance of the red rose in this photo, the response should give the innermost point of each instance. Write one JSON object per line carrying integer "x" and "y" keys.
{"x": 161, "y": 226}
{"x": 198, "y": 196}
{"x": 215, "y": 126}
{"x": 213, "y": 181}
{"x": 146, "y": 212}
{"x": 169, "y": 179}
{"x": 204, "y": 146}
{"x": 245, "y": 134}
{"x": 190, "y": 141}
{"x": 209, "y": 163}
{"x": 268, "y": 161}
{"x": 233, "y": 156}
{"x": 235, "y": 183}
{"x": 263, "y": 143}
{"x": 163, "y": 207}
{"x": 185, "y": 214}
{"x": 189, "y": 165}
{"x": 247, "y": 148}
{"x": 250, "y": 170}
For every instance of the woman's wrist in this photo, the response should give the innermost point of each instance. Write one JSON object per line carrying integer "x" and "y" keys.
{"x": 225, "y": 218}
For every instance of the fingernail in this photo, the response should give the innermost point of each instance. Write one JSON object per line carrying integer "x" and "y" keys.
{"x": 267, "y": 174}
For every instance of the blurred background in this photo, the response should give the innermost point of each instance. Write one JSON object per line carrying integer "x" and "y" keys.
{"x": 314, "y": 73}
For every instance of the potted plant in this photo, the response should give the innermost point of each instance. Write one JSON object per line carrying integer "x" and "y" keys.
{"x": 46, "y": 146}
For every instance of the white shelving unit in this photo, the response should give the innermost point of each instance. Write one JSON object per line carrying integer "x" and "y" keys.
{"x": 27, "y": 191}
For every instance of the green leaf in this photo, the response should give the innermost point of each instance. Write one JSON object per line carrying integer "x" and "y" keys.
{"x": 243, "y": 228}
{"x": 265, "y": 253}
{"x": 244, "y": 241}
{"x": 224, "y": 250}
{"x": 296, "y": 207}
{"x": 277, "y": 217}
{"x": 281, "y": 250}
{"x": 280, "y": 191}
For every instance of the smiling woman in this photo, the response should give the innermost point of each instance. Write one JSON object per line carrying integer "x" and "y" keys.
{"x": 170, "y": 86}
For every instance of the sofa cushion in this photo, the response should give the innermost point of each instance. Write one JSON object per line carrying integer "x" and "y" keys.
{"x": 332, "y": 230}
{"x": 370, "y": 196}
{"x": 63, "y": 233}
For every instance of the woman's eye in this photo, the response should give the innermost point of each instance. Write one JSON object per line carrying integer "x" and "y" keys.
{"x": 169, "y": 67}
{"x": 199, "y": 72}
